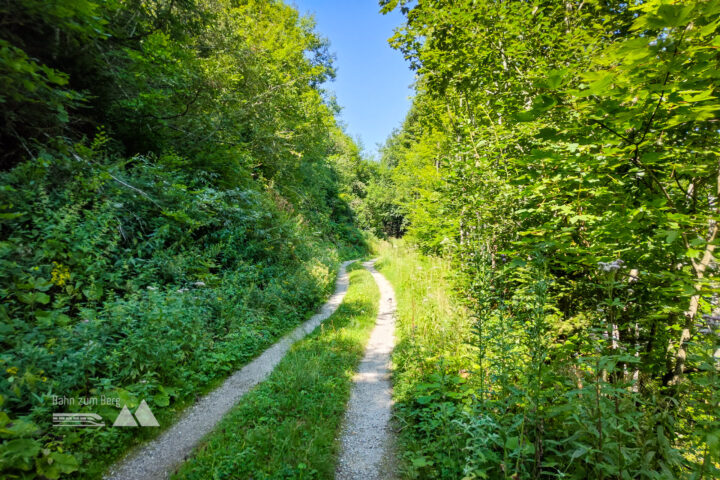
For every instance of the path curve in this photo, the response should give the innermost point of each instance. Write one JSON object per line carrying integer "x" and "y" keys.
{"x": 366, "y": 451}
{"x": 158, "y": 458}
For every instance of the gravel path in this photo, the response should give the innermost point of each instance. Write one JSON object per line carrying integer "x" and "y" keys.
{"x": 158, "y": 458}
{"x": 366, "y": 452}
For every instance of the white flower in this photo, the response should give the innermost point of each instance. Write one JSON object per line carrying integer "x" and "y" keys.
{"x": 199, "y": 284}
{"x": 610, "y": 266}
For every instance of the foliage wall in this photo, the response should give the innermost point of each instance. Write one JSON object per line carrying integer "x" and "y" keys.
{"x": 173, "y": 197}
{"x": 564, "y": 155}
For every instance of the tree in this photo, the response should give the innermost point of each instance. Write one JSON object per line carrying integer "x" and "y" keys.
{"x": 576, "y": 148}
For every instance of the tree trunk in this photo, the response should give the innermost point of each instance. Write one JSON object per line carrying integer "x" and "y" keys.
{"x": 691, "y": 313}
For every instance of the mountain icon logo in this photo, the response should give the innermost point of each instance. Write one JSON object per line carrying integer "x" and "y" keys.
{"x": 143, "y": 414}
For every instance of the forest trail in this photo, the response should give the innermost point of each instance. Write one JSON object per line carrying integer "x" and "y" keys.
{"x": 366, "y": 451}
{"x": 158, "y": 458}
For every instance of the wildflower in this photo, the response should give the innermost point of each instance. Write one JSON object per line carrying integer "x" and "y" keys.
{"x": 60, "y": 274}
{"x": 152, "y": 289}
{"x": 199, "y": 284}
{"x": 12, "y": 370}
{"x": 610, "y": 266}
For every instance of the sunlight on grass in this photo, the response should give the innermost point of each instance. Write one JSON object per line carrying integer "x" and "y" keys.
{"x": 431, "y": 352}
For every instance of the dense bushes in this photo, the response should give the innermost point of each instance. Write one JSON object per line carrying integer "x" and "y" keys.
{"x": 171, "y": 204}
{"x": 107, "y": 293}
{"x": 564, "y": 156}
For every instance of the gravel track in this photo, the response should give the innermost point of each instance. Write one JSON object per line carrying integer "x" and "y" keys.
{"x": 367, "y": 440}
{"x": 158, "y": 458}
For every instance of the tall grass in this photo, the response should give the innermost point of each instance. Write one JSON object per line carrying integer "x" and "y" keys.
{"x": 432, "y": 358}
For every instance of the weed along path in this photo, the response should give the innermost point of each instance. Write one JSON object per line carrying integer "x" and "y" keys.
{"x": 366, "y": 451}
{"x": 158, "y": 458}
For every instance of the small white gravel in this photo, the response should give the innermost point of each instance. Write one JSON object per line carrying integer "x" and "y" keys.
{"x": 160, "y": 457}
{"x": 366, "y": 441}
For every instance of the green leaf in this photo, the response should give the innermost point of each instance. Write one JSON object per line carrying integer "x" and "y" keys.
{"x": 543, "y": 103}
{"x": 56, "y": 464}
{"x": 600, "y": 82}
{"x": 555, "y": 78}
{"x": 19, "y": 452}
{"x": 18, "y": 428}
{"x": 127, "y": 398}
{"x": 673, "y": 15}
{"x": 671, "y": 236}
{"x": 93, "y": 292}
{"x": 161, "y": 399}
{"x": 693, "y": 96}
{"x": 420, "y": 462}
{"x": 34, "y": 297}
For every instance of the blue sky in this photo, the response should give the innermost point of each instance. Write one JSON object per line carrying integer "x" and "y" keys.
{"x": 373, "y": 80}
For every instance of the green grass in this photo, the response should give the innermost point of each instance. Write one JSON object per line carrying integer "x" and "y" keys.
{"x": 287, "y": 426}
{"x": 429, "y": 359}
